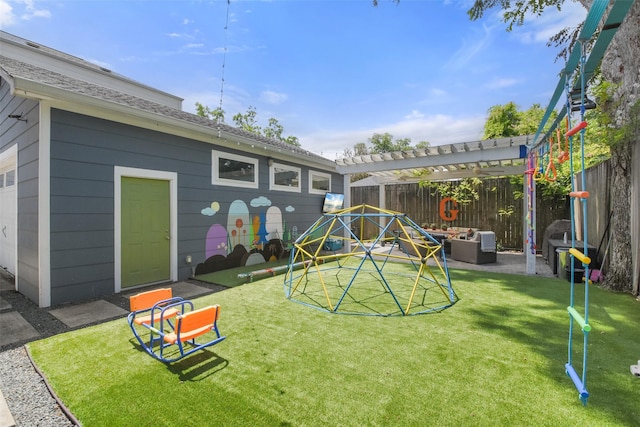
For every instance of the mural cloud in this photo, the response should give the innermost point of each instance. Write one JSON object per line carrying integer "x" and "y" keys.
{"x": 211, "y": 210}
{"x": 260, "y": 201}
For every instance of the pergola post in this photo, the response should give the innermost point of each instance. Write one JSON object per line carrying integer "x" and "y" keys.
{"x": 382, "y": 203}
{"x": 346, "y": 179}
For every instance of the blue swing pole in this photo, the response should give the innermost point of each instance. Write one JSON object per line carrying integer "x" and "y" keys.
{"x": 583, "y": 201}
{"x": 569, "y": 364}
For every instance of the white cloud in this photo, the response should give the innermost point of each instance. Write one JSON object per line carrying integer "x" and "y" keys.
{"x": 234, "y": 100}
{"x": 7, "y": 17}
{"x": 414, "y": 114}
{"x": 273, "y": 98}
{"x": 500, "y": 83}
{"x": 437, "y": 129}
{"x": 40, "y": 13}
{"x": 434, "y": 97}
{"x": 472, "y": 45}
{"x": 31, "y": 11}
{"x": 539, "y": 29}
{"x": 129, "y": 58}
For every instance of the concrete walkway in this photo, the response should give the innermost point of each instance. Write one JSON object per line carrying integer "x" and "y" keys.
{"x": 20, "y": 318}
{"x": 507, "y": 263}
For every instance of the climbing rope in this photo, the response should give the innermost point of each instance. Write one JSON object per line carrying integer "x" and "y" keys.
{"x": 550, "y": 173}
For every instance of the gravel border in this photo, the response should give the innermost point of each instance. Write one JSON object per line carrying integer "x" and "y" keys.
{"x": 26, "y": 393}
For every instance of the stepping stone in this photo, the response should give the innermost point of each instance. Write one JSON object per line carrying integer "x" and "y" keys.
{"x": 15, "y": 328}
{"x": 4, "y": 305}
{"x": 188, "y": 290}
{"x": 91, "y": 312}
{"x": 6, "y": 419}
{"x": 179, "y": 289}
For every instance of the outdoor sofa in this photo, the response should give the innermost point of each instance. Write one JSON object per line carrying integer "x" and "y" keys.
{"x": 480, "y": 249}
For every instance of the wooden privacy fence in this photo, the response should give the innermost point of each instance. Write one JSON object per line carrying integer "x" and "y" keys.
{"x": 499, "y": 208}
{"x": 598, "y": 204}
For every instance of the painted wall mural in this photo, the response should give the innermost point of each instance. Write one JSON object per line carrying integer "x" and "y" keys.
{"x": 239, "y": 225}
{"x": 216, "y": 243}
{"x": 245, "y": 239}
{"x": 274, "y": 223}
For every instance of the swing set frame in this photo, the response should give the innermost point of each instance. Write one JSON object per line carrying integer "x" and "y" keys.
{"x": 579, "y": 68}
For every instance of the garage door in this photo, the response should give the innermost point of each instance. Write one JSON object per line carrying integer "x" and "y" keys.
{"x": 8, "y": 210}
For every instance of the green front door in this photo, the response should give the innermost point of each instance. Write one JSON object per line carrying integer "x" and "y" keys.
{"x": 145, "y": 219}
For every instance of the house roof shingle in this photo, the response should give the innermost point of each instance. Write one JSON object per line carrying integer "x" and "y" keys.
{"x": 50, "y": 79}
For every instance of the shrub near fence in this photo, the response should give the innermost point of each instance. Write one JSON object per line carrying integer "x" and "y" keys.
{"x": 496, "y": 209}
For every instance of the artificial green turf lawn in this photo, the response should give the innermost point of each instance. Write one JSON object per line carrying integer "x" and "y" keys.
{"x": 494, "y": 358}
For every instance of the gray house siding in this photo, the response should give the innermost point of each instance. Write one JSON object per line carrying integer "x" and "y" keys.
{"x": 25, "y": 135}
{"x": 28, "y": 263}
{"x": 84, "y": 151}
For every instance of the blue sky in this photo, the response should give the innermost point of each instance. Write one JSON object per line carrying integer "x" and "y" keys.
{"x": 332, "y": 72}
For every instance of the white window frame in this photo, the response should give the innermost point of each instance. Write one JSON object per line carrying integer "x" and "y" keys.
{"x": 215, "y": 177}
{"x": 313, "y": 174}
{"x": 278, "y": 187}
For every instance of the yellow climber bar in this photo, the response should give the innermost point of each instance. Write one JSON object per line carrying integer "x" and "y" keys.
{"x": 585, "y": 260}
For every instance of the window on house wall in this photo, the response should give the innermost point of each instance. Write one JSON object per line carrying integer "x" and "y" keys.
{"x": 10, "y": 178}
{"x": 1, "y": 180}
{"x": 284, "y": 178}
{"x": 319, "y": 183}
{"x": 234, "y": 170}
